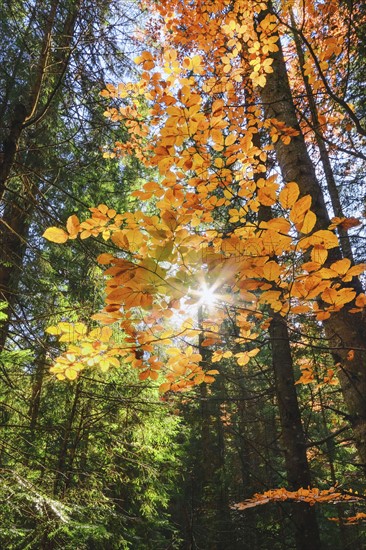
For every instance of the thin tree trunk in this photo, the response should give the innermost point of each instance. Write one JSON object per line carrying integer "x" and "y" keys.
{"x": 37, "y": 385}
{"x": 14, "y": 226}
{"x": 298, "y": 474}
{"x": 16, "y": 219}
{"x": 323, "y": 151}
{"x": 61, "y": 476}
{"x": 214, "y": 490}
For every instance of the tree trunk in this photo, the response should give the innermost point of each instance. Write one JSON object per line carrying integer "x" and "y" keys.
{"x": 37, "y": 385}
{"x": 215, "y": 500}
{"x": 344, "y": 331}
{"x": 307, "y": 534}
{"x": 61, "y": 477}
{"x": 298, "y": 474}
{"x": 323, "y": 151}
{"x": 14, "y": 226}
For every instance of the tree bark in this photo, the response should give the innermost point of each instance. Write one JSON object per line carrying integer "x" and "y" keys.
{"x": 14, "y": 227}
{"x": 298, "y": 474}
{"x": 66, "y": 447}
{"x": 323, "y": 151}
{"x": 307, "y": 534}
{"x": 215, "y": 500}
{"x": 344, "y": 331}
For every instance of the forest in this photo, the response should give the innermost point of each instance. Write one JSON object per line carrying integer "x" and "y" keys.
{"x": 182, "y": 288}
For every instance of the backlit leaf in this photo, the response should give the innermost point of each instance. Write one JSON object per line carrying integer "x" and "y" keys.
{"x": 55, "y": 235}
{"x": 289, "y": 195}
{"x": 271, "y": 271}
{"x": 309, "y": 222}
{"x": 72, "y": 226}
{"x": 299, "y": 209}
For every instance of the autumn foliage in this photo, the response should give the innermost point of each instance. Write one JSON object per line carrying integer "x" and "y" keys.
{"x": 194, "y": 119}
{"x": 198, "y": 132}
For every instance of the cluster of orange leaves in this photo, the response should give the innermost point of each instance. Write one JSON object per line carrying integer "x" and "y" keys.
{"x": 198, "y": 134}
{"x": 360, "y": 517}
{"x": 310, "y": 495}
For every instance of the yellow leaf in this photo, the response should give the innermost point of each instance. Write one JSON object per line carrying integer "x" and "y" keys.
{"x": 311, "y": 266}
{"x": 85, "y": 234}
{"x": 242, "y": 358}
{"x": 106, "y": 333}
{"x": 271, "y": 297}
{"x": 267, "y": 195}
{"x": 114, "y": 361}
{"x": 341, "y": 266}
{"x": 71, "y": 374}
{"x": 55, "y": 235}
{"x": 289, "y": 195}
{"x": 229, "y": 140}
{"x": 73, "y": 225}
{"x": 338, "y": 298}
{"x": 309, "y": 222}
{"x": 354, "y": 271}
{"x": 279, "y": 224}
{"x": 54, "y": 330}
{"x": 103, "y": 208}
{"x": 119, "y": 238}
{"x": 324, "y": 238}
{"x": 319, "y": 255}
{"x": 271, "y": 271}
{"x": 173, "y": 351}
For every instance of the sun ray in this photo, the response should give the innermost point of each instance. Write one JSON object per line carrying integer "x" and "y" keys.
{"x": 207, "y": 295}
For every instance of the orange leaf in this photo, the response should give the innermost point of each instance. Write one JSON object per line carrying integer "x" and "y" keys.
{"x": 299, "y": 209}
{"x": 350, "y": 222}
{"x": 289, "y": 195}
{"x": 164, "y": 387}
{"x": 319, "y": 255}
{"x": 267, "y": 195}
{"x": 354, "y": 271}
{"x": 309, "y": 222}
{"x": 271, "y": 271}
{"x": 105, "y": 258}
{"x": 341, "y": 266}
{"x": 323, "y": 237}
